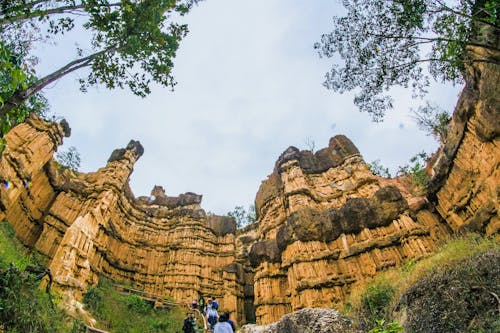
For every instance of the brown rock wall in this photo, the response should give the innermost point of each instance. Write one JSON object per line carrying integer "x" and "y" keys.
{"x": 466, "y": 177}
{"x": 329, "y": 224}
{"x": 90, "y": 225}
{"x": 324, "y": 224}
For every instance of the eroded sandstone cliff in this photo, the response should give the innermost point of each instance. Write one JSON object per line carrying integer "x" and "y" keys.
{"x": 90, "y": 225}
{"x": 325, "y": 222}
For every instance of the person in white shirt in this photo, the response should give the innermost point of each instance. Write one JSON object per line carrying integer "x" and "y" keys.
{"x": 223, "y": 326}
{"x": 211, "y": 313}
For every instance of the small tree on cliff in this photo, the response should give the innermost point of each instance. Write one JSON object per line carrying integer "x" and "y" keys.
{"x": 132, "y": 42}
{"x": 242, "y": 216}
{"x": 386, "y": 43}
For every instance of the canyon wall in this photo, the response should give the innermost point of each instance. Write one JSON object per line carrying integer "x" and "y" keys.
{"x": 325, "y": 222}
{"x": 90, "y": 225}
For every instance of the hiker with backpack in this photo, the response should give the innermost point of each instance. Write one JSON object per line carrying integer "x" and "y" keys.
{"x": 211, "y": 313}
{"x": 215, "y": 305}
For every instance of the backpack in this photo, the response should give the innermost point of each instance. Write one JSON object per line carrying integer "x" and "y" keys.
{"x": 215, "y": 305}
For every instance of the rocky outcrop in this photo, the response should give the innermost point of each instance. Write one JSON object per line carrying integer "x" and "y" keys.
{"x": 465, "y": 183}
{"x": 324, "y": 224}
{"x": 327, "y": 223}
{"x": 306, "y": 320}
{"x": 90, "y": 225}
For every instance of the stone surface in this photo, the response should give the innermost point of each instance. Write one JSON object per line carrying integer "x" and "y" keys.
{"x": 466, "y": 177}
{"x": 324, "y": 224}
{"x": 327, "y": 223}
{"x": 305, "y": 320}
{"x": 90, "y": 225}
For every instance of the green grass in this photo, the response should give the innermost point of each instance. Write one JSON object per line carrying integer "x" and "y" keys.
{"x": 24, "y": 307}
{"x": 119, "y": 313}
{"x": 12, "y": 251}
{"x": 375, "y": 300}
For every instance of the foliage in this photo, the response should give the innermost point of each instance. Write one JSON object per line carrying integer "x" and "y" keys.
{"x": 458, "y": 298}
{"x": 378, "y": 169}
{"x": 69, "y": 159}
{"x": 432, "y": 120}
{"x": 16, "y": 75}
{"x": 24, "y": 307}
{"x": 387, "y": 43}
{"x": 416, "y": 170}
{"x": 242, "y": 216}
{"x": 128, "y": 313}
{"x": 12, "y": 251}
{"x": 384, "y": 327}
{"x": 456, "y": 259}
{"x": 132, "y": 42}
{"x": 375, "y": 303}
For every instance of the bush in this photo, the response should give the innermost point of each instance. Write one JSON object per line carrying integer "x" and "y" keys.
{"x": 25, "y": 308}
{"x": 128, "y": 313}
{"x": 375, "y": 304}
{"x": 458, "y": 298}
{"x": 451, "y": 291}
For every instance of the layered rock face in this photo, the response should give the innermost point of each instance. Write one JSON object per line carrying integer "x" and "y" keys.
{"x": 466, "y": 176}
{"x": 325, "y": 223}
{"x": 90, "y": 225}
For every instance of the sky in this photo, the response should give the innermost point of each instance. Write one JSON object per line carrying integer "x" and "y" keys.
{"x": 249, "y": 86}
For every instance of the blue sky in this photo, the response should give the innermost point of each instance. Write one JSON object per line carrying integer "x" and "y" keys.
{"x": 249, "y": 86}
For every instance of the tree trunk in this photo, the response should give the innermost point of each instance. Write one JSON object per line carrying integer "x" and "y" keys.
{"x": 22, "y": 95}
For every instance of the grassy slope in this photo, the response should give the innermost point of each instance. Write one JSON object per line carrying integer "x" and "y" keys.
{"x": 451, "y": 291}
{"x": 24, "y": 307}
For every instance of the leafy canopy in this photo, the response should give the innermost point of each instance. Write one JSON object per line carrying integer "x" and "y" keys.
{"x": 132, "y": 42}
{"x": 406, "y": 43}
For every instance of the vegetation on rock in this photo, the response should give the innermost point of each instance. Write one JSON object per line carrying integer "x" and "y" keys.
{"x": 243, "y": 217}
{"x": 24, "y": 307}
{"x": 454, "y": 290}
{"x": 129, "y": 313}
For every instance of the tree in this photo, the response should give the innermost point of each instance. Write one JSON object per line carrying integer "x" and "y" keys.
{"x": 242, "y": 216}
{"x": 432, "y": 120}
{"x": 132, "y": 43}
{"x": 69, "y": 159}
{"x": 14, "y": 76}
{"x": 416, "y": 170}
{"x": 378, "y": 169}
{"x": 386, "y": 43}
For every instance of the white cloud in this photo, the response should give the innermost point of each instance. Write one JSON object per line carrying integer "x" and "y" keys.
{"x": 249, "y": 87}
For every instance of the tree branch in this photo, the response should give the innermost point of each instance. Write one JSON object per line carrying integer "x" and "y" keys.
{"x": 471, "y": 17}
{"x": 434, "y": 39}
{"x": 21, "y": 95}
{"x": 46, "y": 12}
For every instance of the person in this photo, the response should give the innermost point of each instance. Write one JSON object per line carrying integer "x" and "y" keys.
{"x": 230, "y": 322}
{"x": 201, "y": 304}
{"x": 223, "y": 326}
{"x": 211, "y": 314}
{"x": 188, "y": 326}
{"x": 194, "y": 304}
{"x": 214, "y": 303}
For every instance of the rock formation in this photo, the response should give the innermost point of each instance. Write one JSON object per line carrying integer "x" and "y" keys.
{"x": 306, "y": 320}
{"x": 325, "y": 222}
{"x": 90, "y": 225}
